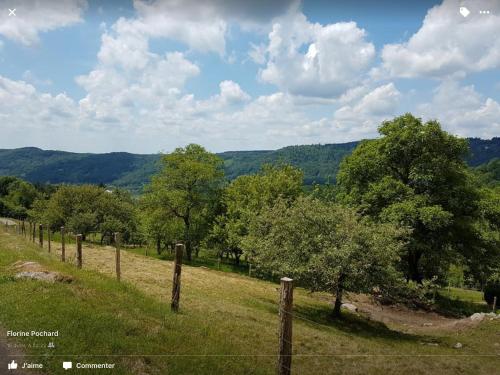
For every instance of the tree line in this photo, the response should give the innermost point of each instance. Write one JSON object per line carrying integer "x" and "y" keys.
{"x": 404, "y": 211}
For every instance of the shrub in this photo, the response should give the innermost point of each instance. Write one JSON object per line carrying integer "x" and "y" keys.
{"x": 411, "y": 294}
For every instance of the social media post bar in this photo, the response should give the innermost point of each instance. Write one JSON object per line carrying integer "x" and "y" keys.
{"x": 24, "y": 366}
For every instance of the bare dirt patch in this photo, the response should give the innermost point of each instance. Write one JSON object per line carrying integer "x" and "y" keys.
{"x": 407, "y": 320}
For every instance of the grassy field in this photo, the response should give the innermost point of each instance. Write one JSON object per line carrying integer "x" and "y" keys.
{"x": 227, "y": 323}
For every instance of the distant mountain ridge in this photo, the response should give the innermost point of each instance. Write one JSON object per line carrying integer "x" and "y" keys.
{"x": 132, "y": 171}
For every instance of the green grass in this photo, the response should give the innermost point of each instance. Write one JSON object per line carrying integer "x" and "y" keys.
{"x": 469, "y": 295}
{"x": 101, "y": 318}
{"x": 227, "y": 323}
{"x": 461, "y": 302}
{"x": 204, "y": 259}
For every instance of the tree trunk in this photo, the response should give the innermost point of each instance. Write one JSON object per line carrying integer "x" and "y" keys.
{"x": 413, "y": 269}
{"x": 338, "y": 304}
{"x": 187, "y": 238}
{"x": 338, "y": 297}
{"x": 158, "y": 246}
{"x": 189, "y": 250}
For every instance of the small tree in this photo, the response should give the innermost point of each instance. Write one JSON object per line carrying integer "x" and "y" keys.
{"x": 245, "y": 198}
{"x": 86, "y": 208}
{"x": 189, "y": 187}
{"x": 160, "y": 227}
{"x": 324, "y": 246}
{"x": 16, "y": 197}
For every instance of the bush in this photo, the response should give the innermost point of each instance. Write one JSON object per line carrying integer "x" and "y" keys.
{"x": 491, "y": 290}
{"x": 410, "y": 294}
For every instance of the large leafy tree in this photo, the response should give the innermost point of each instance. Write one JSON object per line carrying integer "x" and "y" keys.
{"x": 324, "y": 246}
{"x": 415, "y": 175}
{"x": 246, "y": 197}
{"x": 188, "y": 187}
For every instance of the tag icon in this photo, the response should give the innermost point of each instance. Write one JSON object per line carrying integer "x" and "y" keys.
{"x": 464, "y": 11}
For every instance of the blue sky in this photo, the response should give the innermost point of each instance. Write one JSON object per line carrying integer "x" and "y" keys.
{"x": 149, "y": 76}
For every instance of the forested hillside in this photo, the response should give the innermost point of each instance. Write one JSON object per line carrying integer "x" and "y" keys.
{"x": 319, "y": 163}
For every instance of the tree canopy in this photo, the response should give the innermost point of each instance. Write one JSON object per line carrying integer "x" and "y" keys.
{"x": 88, "y": 208}
{"x": 188, "y": 188}
{"x": 16, "y": 197}
{"x": 415, "y": 176}
{"x": 245, "y": 198}
{"x": 324, "y": 246}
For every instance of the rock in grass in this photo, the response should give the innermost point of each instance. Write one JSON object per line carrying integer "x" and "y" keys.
{"x": 350, "y": 307}
{"x": 477, "y": 317}
{"x": 458, "y": 345}
{"x": 35, "y": 271}
{"x": 50, "y": 277}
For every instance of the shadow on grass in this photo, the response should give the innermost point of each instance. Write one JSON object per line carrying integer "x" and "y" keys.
{"x": 457, "y": 308}
{"x": 353, "y": 324}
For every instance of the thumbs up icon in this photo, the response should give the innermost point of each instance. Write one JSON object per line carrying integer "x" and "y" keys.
{"x": 12, "y": 365}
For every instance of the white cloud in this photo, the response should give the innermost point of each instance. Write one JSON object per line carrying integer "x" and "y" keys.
{"x": 122, "y": 93}
{"x": 126, "y": 49}
{"x": 231, "y": 92}
{"x": 448, "y": 44}
{"x": 336, "y": 56}
{"x": 257, "y": 53}
{"x": 361, "y": 120}
{"x": 32, "y": 78}
{"x": 23, "y": 107}
{"x": 203, "y": 26}
{"x": 33, "y": 17}
{"x": 463, "y": 111}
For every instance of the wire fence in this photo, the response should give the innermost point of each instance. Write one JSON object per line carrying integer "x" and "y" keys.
{"x": 187, "y": 296}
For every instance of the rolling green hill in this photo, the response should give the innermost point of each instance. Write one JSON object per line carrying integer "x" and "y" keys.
{"x": 319, "y": 163}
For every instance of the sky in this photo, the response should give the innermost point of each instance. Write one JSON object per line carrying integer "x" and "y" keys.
{"x": 148, "y": 76}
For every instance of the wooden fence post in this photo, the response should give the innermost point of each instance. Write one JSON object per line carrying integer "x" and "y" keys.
{"x": 494, "y": 304}
{"x": 40, "y": 234}
{"x": 79, "y": 250}
{"x": 118, "y": 240}
{"x": 176, "y": 287}
{"x": 285, "y": 328}
{"x": 63, "y": 245}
